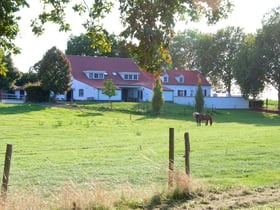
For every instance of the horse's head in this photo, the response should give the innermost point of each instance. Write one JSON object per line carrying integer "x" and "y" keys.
{"x": 195, "y": 115}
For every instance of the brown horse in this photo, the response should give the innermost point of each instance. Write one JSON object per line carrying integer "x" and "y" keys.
{"x": 199, "y": 117}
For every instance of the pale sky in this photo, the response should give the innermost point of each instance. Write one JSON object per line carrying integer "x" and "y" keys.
{"x": 246, "y": 14}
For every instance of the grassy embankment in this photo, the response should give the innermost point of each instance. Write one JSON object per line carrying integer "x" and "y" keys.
{"x": 128, "y": 146}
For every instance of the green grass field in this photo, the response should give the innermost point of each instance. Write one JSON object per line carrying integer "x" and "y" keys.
{"x": 129, "y": 145}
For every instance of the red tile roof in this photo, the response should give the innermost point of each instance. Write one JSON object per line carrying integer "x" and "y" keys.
{"x": 112, "y": 66}
{"x": 190, "y": 77}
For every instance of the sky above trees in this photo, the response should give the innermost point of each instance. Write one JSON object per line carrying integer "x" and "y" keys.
{"x": 247, "y": 14}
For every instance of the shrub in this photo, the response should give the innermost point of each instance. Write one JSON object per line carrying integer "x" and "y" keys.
{"x": 256, "y": 104}
{"x": 36, "y": 94}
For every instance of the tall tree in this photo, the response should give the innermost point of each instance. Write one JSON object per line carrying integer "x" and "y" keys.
{"x": 248, "y": 69}
{"x": 199, "y": 98}
{"x": 82, "y": 45}
{"x": 148, "y": 22}
{"x": 268, "y": 43}
{"x": 12, "y": 74}
{"x": 183, "y": 49}
{"x": 54, "y": 71}
{"x": 9, "y": 29}
{"x": 157, "y": 99}
{"x": 227, "y": 44}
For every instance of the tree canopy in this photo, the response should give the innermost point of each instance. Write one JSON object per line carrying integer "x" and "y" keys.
{"x": 148, "y": 23}
{"x": 12, "y": 74}
{"x": 268, "y": 43}
{"x": 82, "y": 45}
{"x": 54, "y": 71}
{"x": 248, "y": 70}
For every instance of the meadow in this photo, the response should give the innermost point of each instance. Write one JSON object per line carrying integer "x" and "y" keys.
{"x": 88, "y": 142}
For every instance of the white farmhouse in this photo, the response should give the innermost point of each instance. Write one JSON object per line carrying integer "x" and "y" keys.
{"x": 133, "y": 84}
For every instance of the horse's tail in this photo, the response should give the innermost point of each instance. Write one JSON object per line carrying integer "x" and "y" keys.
{"x": 210, "y": 119}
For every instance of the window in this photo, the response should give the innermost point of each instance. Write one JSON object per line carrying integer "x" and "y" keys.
{"x": 181, "y": 79}
{"x": 182, "y": 93}
{"x": 205, "y": 92}
{"x": 81, "y": 92}
{"x": 90, "y": 75}
{"x": 130, "y": 76}
{"x": 165, "y": 78}
{"x": 135, "y": 77}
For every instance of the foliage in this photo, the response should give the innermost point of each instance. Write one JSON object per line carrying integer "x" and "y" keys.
{"x": 82, "y": 45}
{"x": 268, "y": 42}
{"x": 36, "y": 94}
{"x": 54, "y": 71}
{"x": 157, "y": 100}
{"x": 199, "y": 98}
{"x": 109, "y": 89}
{"x": 227, "y": 45}
{"x": 153, "y": 29}
{"x": 27, "y": 77}
{"x": 12, "y": 74}
{"x": 9, "y": 29}
{"x": 183, "y": 49}
{"x": 248, "y": 69}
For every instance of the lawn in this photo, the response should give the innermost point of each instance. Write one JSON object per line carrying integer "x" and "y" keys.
{"x": 128, "y": 145}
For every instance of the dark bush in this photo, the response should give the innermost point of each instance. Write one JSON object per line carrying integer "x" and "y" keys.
{"x": 256, "y": 104}
{"x": 36, "y": 94}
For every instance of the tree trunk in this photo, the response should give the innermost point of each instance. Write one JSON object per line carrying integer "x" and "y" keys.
{"x": 279, "y": 99}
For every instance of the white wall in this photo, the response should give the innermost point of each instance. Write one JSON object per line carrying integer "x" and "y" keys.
{"x": 102, "y": 97}
{"x": 216, "y": 102}
{"x": 191, "y": 89}
{"x": 147, "y": 94}
{"x": 226, "y": 103}
{"x": 168, "y": 95}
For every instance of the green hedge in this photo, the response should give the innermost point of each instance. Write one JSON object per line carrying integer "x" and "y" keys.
{"x": 36, "y": 94}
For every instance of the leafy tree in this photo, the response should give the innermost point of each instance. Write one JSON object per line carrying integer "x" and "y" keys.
{"x": 9, "y": 29}
{"x": 227, "y": 44}
{"x": 82, "y": 45}
{"x": 183, "y": 49}
{"x": 268, "y": 43}
{"x": 148, "y": 23}
{"x": 248, "y": 71}
{"x": 54, "y": 72}
{"x": 12, "y": 74}
{"x": 157, "y": 100}
{"x": 199, "y": 99}
{"x": 27, "y": 77}
{"x": 109, "y": 89}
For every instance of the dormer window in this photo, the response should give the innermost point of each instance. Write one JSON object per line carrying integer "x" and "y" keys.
{"x": 93, "y": 74}
{"x": 90, "y": 75}
{"x": 164, "y": 78}
{"x": 129, "y": 76}
{"x": 180, "y": 79}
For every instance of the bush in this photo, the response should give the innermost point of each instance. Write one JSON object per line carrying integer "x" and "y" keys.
{"x": 253, "y": 104}
{"x": 36, "y": 94}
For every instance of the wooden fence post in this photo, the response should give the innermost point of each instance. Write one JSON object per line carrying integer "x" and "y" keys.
{"x": 171, "y": 158}
{"x": 6, "y": 173}
{"x": 187, "y": 153}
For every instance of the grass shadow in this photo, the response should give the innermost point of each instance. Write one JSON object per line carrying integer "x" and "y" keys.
{"x": 20, "y": 108}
